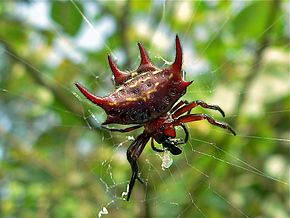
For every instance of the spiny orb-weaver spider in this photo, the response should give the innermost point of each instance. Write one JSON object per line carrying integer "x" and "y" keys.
{"x": 146, "y": 96}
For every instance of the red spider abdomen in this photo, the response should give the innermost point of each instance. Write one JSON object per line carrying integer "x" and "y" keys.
{"x": 144, "y": 94}
{"x": 144, "y": 97}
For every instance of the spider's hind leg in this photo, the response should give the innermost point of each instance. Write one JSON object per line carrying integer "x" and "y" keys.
{"x": 129, "y": 129}
{"x": 187, "y": 107}
{"x": 133, "y": 153}
{"x": 195, "y": 117}
{"x": 178, "y": 105}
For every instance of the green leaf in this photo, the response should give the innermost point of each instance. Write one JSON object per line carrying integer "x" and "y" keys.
{"x": 251, "y": 21}
{"x": 13, "y": 31}
{"x": 141, "y": 5}
{"x": 67, "y": 15}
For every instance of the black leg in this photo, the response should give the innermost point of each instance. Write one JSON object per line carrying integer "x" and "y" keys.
{"x": 133, "y": 153}
{"x": 185, "y": 131}
{"x": 154, "y": 148}
{"x": 121, "y": 130}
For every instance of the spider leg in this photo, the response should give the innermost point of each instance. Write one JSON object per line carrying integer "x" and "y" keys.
{"x": 129, "y": 129}
{"x": 185, "y": 131}
{"x": 188, "y": 107}
{"x": 179, "y": 141}
{"x": 178, "y": 105}
{"x": 195, "y": 117}
{"x": 154, "y": 148}
{"x": 133, "y": 153}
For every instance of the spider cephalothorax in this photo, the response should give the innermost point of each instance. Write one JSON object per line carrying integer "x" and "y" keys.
{"x": 146, "y": 97}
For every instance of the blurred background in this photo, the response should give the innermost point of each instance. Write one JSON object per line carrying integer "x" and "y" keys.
{"x": 53, "y": 164}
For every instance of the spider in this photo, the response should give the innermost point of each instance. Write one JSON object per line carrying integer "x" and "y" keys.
{"x": 147, "y": 97}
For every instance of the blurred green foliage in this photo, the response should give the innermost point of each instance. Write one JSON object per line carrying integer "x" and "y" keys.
{"x": 64, "y": 14}
{"x": 52, "y": 164}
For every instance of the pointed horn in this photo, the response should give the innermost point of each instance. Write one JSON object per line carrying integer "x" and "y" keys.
{"x": 120, "y": 76}
{"x": 144, "y": 55}
{"x": 96, "y": 100}
{"x": 146, "y": 64}
{"x": 177, "y": 65}
{"x": 185, "y": 83}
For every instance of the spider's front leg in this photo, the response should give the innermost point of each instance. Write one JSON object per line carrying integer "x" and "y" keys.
{"x": 133, "y": 153}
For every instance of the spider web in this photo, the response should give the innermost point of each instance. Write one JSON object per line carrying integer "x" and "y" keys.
{"x": 191, "y": 183}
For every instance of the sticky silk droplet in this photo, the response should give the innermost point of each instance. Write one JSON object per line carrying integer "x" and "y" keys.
{"x": 166, "y": 160}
